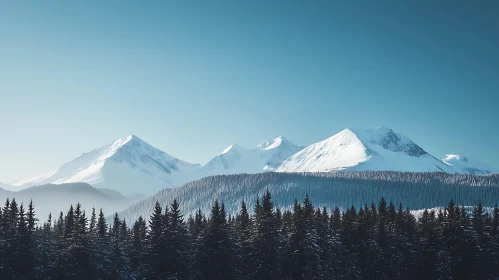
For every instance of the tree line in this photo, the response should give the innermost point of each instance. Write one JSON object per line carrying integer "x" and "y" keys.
{"x": 342, "y": 189}
{"x": 376, "y": 241}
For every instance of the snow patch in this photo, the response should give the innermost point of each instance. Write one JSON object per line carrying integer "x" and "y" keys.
{"x": 466, "y": 165}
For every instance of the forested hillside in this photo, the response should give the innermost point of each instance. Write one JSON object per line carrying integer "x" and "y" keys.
{"x": 376, "y": 241}
{"x": 342, "y": 189}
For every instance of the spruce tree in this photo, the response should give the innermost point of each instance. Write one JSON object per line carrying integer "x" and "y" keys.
{"x": 23, "y": 263}
{"x": 245, "y": 265}
{"x": 176, "y": 244}
{"x": 266, "y": 240}
{"x": 101, "y": 252}
{"x": 137, "y": 247}
{"x": 155, "y": 260}
{"x": 216, "y": 252}
{"x": 119, "y": 265}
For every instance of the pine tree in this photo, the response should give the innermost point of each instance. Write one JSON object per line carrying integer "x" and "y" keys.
{"x": 119, "y": 265}
{"x": 311, "y": 249}
{"x": 368, "y": 255}
{"x": 23, "y": 256}
{"x": 10, "y": 238}
{"x": 455, "y": 236}
{"x": 428, "y": 228}
{"x": 245, "y": 265}
{"x": 31, "y": 217}
{"x": 494, "y": 236}
{"x": 45, "y": 253}
{"x": 101, "y": 252}
{"x": 155, "y": 251}
{"x": 176, "y": 244}
{"x": 93, "y": 224}
{"x": 350, "y": 267}
{"x": 197, "y": 234}
{"x": 138, "y": 246}
{"x": 216, "y": 251}
{"x": 4, "y": 240}
{"x": 293, "y": 251}
{"x": 483, "y": 254}
{"x": 265, "y": 241}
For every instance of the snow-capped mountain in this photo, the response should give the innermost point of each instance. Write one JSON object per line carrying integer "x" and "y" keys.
{"x": 265, "y": 157}
{"x": 133, "y": 167}
{"x": 378, "y": 149}
{"x": 276, "y": 151}
{"x": 234, "y": 159}
{"x": 463, "y": 164}
{"x": 128, "y": 165}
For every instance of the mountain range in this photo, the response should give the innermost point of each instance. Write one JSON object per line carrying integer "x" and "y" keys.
{"x": 131, "y": 166}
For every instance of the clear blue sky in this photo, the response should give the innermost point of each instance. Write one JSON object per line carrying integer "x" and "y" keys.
{"x": 192, "y": 77}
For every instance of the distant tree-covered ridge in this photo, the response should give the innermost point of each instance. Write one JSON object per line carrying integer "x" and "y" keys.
{"x": 261, "y": 241}
{"x": 339, "y": 189}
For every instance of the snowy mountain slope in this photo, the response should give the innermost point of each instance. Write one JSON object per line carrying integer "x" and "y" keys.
{"x": 133, "y": 167}
{"x": 128, "y": 165}
{"x": 277, "y": 150}
{"x": 357, "y": 150}
{"x": 234, "y": 159}
{"x": 462, "y": 164}
{"x": 265, "y": 157}
{"x": 342, "y": 189}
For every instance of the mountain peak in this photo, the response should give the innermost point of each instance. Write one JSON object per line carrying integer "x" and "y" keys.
{"x": 264, "y": 144}
{"x": 278, "y": 142}
{"x": 124, "y": 165}
{"x": 355, "y": 149}
{"x": 265, "y": 157}
{"x": 112, "y": 149}
{"x": 280, "y": 138}
{"x": 346, "y": 131}
{"x": 389, "y": 140}
{"x": 132, "y": 138}
{"x": 383, "y": 128}
{"x": 232, "y": 148}
{"x": 269, "y": 144}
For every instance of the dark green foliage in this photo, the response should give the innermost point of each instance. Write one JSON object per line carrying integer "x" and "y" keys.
{"x": 215, "y": 254}
{"x": 372, "y": 242}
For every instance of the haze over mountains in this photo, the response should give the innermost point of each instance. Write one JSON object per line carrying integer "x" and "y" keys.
{"x": 130, "y": 165}
{"x": 52, "y": 198}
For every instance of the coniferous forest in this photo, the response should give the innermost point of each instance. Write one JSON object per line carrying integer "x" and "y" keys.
{"x": 377, "y": 241}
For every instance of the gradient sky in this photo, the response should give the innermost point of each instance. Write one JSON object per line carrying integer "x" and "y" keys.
{"x": 193, "y": 77}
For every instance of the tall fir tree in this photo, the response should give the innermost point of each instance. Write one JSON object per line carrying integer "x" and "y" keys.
{"x": 176, "y": 244}
{"x": 216, "y": 252}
